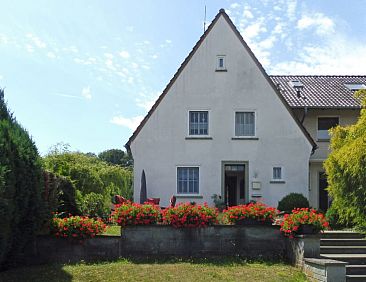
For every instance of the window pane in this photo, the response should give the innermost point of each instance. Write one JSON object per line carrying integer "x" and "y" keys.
{"x": 198, "y": 123}
{"x": 324, "y": 124}
{"x": 188, "y": 180}
{"x": 244, "y": 124}
{"x": 277, "y": 173}
{"x": 327, "y": 123}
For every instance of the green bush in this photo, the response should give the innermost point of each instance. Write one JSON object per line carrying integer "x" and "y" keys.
{"x": 94, "y": 181}
{"x": 22, "y": 210}
{"x": 60, "y": 194}
{"x": 346, "y": 170}
{"x": 332, "y": 217}
{"x": 291, "y": 201}
{"x": 95, "y": 205}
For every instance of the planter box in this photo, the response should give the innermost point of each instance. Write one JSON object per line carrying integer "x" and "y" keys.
{"x": 249, "y": 241}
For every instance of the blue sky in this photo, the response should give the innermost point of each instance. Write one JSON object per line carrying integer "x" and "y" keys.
{"x": 86, "y": 72}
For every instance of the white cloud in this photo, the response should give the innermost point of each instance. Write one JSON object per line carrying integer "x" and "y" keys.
{"x": 254, "y": 29}
{"x": 37, "y": 42}
{"x": 124, "y": 54}
{"x": 108, "y": 55}
{"x": 1, "y": 77}
{"x": 321, "y": 23}
{"x": 337, "y": 56}
{"x": 130, "y": 28}
{"x": 51, "y": 55}
{"x": 131, "y": 123}
{"x": 86, "y": 93}
{"x": 234, "y": 5}
{"x": 29, "y": 48}
{"x": 168, "y": 41}
{"x": 155, "y": 56}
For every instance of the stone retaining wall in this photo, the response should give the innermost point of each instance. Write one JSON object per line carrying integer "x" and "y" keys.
{"x": 251, "y": 241}
{"x": 247, "y": 241}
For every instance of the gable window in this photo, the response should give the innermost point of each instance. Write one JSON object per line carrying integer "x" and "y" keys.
{"x": 221, "y": 63}
{"x": 277, "y": 173}
{"x": 245, "y": 124}
{"x": 324, "y": 124}
{"x": 198, "y": 123}
{"x": 187, "y": 180}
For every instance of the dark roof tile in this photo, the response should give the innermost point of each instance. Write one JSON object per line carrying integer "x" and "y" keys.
{"x": 320, "y": 91}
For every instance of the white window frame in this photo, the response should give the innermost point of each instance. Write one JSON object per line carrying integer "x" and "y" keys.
{"x": 255, "y": 123}
{"x": 199, "y": 180}
{"x": 218, "y": 67}
{"x": 317, "y": 126}
{"x": 282, "y": 174}
{"x": 208, "y": 127}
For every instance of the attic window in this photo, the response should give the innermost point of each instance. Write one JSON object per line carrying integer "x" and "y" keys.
{"x": 220, "y": 65}
{"x": 355, "y": 86}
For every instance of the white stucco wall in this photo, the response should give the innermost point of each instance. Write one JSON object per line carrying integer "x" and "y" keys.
{"x": 161, "y": 145}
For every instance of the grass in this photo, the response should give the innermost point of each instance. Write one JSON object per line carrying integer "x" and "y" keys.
{"x": 224, "y": 269}
{"x": 113, "y": 230}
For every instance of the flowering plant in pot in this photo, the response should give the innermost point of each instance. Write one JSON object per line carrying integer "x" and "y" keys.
{"x": 252, "y": 213}
{"x": 76, "y": 227}
{"x": 303, "y": 221}
{"x": 188, "y": 215}
{"x": 136, "y": 214}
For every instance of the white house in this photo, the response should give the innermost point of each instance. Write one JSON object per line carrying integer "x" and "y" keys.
{"x": 223, "y": 126}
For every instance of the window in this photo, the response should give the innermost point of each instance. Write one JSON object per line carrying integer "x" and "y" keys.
{"x": 198, "y": 123}
{"x": 277, "y": 173}
{"x": 245, "y": 124}
{"x": 221, "y": 63}
{"x": 187, "y": 180}
{"x": 324, "y": 124}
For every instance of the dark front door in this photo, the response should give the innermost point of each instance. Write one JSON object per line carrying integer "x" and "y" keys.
{"x": 323, "y": 193}
{"x": 231, "y": 190}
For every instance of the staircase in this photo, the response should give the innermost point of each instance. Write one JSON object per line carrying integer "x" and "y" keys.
{"x": 349, "y": 247}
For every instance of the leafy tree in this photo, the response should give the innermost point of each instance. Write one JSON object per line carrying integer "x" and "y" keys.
{"x": 346, "y": 169}
{"x": 21, "y": 206}
{"x": 91, "y": 176}
{"x": 116, "y": 157}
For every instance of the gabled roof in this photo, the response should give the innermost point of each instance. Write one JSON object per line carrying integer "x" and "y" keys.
{"x": 190, "y": 55}
{"x": 320, "y": 91}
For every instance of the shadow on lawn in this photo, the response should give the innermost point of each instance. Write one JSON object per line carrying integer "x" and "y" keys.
{"x": 39, "y": 273}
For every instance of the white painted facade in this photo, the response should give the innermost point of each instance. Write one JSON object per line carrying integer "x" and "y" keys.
{"x": 161, "y": 145}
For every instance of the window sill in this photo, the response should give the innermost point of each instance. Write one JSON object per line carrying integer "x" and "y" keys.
{"x": 221, "y": 70}
{"x": 198, "y": 137}
{"x": 196, "y": 196}
{"x": 277, "y": 182}
{"x": 244, "y": 138}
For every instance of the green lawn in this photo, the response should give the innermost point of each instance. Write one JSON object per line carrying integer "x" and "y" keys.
{"x": 225, "y": 269}
{"x": 113, "y": 230}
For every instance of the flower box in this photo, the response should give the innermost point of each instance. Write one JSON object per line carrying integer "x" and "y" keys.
{"x": 251, "y": 221}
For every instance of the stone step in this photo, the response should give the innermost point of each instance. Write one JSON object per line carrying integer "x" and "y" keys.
{"x": 341, "y": 235}
{"x": 343, "y": 242}
{"x": 350, "y": 258}
{"x": 343, "y": 249}
{"x": 354, "y": 278}
{"x": 356, "y": 269}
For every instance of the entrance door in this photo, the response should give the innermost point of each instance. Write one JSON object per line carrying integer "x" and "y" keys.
{"x": 231, "y": 190}
{"x": 234, "y": 184}
{"x": 323, "y": 194}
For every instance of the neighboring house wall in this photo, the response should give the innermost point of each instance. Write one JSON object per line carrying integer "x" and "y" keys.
{"x": 346, "y": 117}
{"x": 161, "y": 144}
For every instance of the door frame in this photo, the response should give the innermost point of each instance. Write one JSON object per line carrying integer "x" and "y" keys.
{"x": 246, "y": 177}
